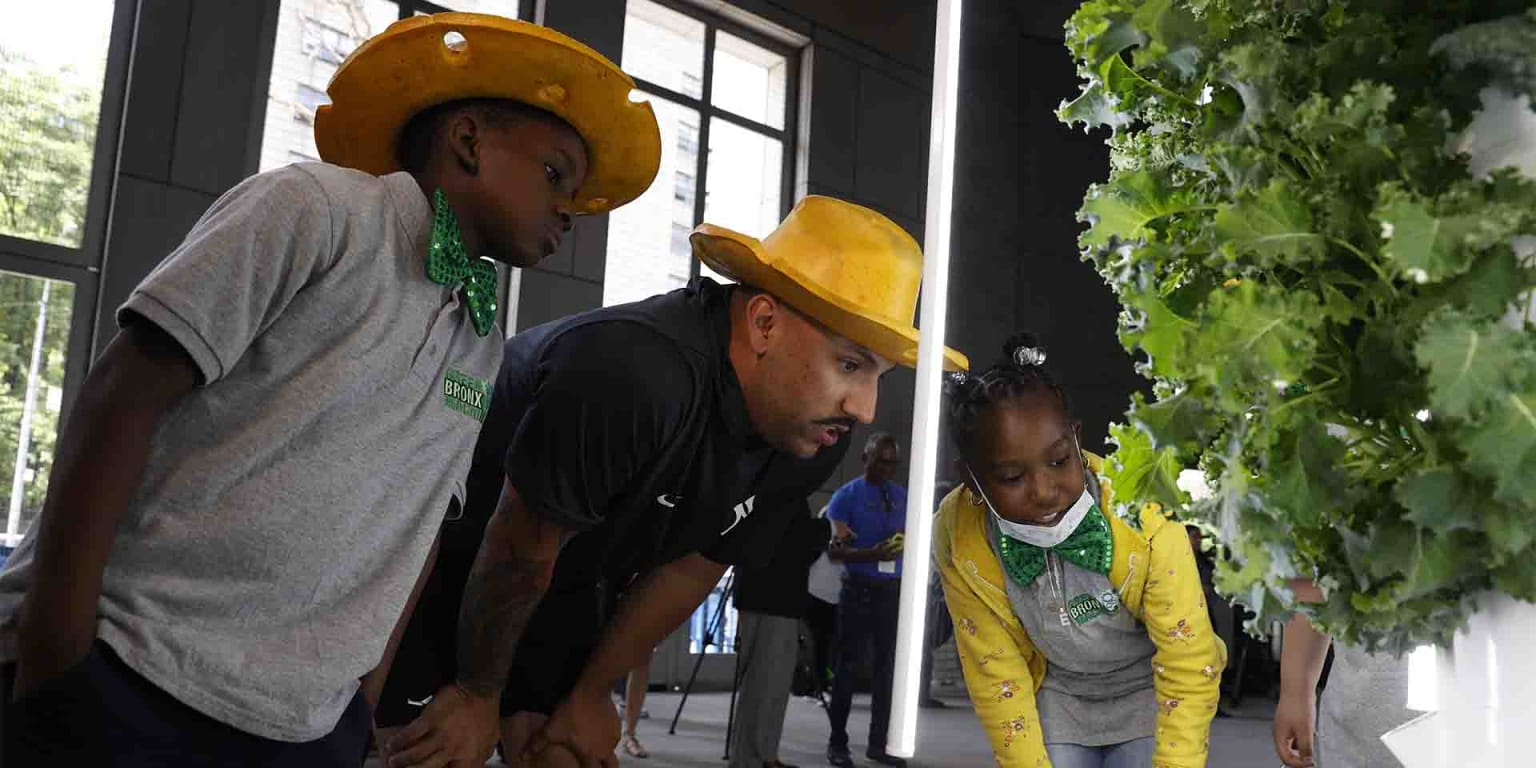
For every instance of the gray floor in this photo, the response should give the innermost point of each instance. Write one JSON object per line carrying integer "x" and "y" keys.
{"x": 949, "y": 738}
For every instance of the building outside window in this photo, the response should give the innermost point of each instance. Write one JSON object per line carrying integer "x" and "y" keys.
{"x": 313, "y": 38}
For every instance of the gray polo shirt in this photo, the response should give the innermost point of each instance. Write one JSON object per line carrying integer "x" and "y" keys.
{"x": 288, "y": 504}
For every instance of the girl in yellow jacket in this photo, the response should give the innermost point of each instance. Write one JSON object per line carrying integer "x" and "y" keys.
{"x": 1085, "y": 642}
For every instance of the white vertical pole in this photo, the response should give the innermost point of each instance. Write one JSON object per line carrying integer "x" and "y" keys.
{"x": 28, "y": 408}
{"x": 901, "y": 740}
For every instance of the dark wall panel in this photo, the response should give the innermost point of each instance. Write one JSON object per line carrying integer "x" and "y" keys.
{"x": 1060, "y": 297}
{"x": 149, "y": 126}
{"x": 547, "y": 296}
{"x": 219, "y": 116}
{"x": 901, "y": 30}
{"x": 834, "y": 121}
{"x": 892, "y": 154}
{"x": 150, "y": 219}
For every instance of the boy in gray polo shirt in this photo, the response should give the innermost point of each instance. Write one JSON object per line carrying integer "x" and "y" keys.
{"x": 256, "y": 467}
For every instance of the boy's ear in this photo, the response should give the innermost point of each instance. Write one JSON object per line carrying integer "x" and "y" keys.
{"x": 463, "y": 133}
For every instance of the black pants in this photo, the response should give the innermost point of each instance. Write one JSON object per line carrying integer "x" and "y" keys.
{"x": 866, "y": 627}
{"x": 101, "y": 713}
{"x": 551, "y": 654}
{"x": 821, "y": 617}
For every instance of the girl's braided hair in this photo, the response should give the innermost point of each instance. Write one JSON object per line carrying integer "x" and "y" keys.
{"x": 1020, "y": 371}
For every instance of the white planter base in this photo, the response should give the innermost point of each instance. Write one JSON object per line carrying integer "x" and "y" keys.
{"x": 1486, "y": 695}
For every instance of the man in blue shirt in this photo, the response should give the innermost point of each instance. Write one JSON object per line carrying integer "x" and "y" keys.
{"x": 874, "y": 508}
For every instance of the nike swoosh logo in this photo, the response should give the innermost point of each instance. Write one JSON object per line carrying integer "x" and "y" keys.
{"x": 742, "y": 510}
{"x": 668, "y": 501}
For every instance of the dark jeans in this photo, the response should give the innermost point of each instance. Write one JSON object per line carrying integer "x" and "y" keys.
{"x": 866, "y": 626}
{"x": 101, "y": 713}
{"x": 821, "y": 617}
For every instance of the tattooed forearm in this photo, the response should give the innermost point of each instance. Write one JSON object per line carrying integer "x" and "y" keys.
{"x": 509, "y": 578}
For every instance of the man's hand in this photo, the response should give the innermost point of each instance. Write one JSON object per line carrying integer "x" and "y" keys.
{"x": 1295, "y": 723}
{"x": 456, "y": 727}
{"x": 841, "y": 533}
{"x": 584, "y": 724}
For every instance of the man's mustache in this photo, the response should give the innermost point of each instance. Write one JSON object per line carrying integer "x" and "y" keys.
{"x": 845, "y": 423}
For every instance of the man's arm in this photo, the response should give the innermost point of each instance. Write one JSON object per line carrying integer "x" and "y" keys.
{"x": 584, "y": 722}
{"x": 1301, "y": 665}
{"x": 839, "y": 511}
{"x": 101, "y": 456}
{"x": 885, "y": 550}
{"x": 510, "y": 576}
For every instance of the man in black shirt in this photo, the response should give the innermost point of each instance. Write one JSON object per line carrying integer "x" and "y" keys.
{"x": 633, "y": 443}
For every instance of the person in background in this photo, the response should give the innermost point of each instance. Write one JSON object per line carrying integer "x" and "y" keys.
{"x": 824, "y": 588}
{"x": 1222, "y": 618}
{"x": 937, "y": 630}
{"x": 635, "y": 688}
{"x": 770, "y": 602}
{"x": 874, "y": 508}
{"x": 1365, "y": 697}
{"x": 1085, "y": 642}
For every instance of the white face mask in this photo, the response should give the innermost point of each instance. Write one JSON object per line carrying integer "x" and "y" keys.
{"x": 1040, "y": 535}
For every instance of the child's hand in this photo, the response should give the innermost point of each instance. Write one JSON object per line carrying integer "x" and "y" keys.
{"x": 1295, "y": 722}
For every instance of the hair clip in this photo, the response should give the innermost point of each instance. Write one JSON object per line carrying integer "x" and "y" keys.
{"x": 1029, "y": 356}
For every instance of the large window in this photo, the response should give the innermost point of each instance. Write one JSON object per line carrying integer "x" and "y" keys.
{"x": 725, "y": 99}
{"x": 313, "y": 38}
{"x": 53, "y": 74}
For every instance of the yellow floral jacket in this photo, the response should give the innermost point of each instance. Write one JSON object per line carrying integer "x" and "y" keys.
{"x": 1154, "y": 570}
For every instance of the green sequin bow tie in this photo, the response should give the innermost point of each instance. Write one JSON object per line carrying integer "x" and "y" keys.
{"x": 448, "y": 263}
{"x": 1090, "y": 546}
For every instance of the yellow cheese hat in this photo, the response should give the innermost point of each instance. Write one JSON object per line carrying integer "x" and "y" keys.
{"x": 844, "y": 265}
{"x": 425, "y": 61}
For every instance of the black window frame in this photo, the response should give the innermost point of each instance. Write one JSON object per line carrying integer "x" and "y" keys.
{"x": 708, "y": 112}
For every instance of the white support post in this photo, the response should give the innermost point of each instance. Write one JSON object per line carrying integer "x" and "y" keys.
{"x": 901, "y": 740}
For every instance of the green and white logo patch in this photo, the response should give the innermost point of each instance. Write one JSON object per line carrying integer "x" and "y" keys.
{"x": 466, "y": 394}
{"x": 1085, "y": 608}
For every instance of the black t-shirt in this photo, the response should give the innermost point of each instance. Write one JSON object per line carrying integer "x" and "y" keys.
{"x": 627, "y": 423}
{"x": 781, "y": 588}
